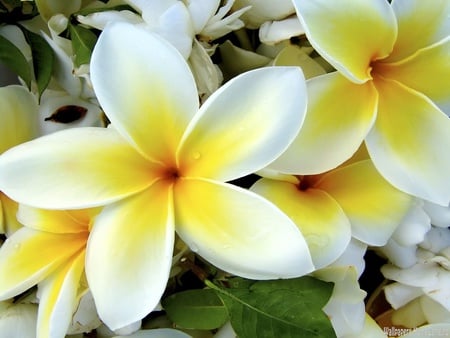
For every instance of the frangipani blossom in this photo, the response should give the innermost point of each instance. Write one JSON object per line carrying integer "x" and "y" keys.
{"x": 391, "y": 89}
{"x": 162, "y": 166}
{"x": 18, "y": 124}
{"x": 352, "y": 200}
{"x": 49, "y": 251}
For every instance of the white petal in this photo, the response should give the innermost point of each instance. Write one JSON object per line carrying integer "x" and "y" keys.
{"x": 149, "y": 97}
{"x": 129, "y": 255}
{"x": 245, "y": 124}
{"x": 272, "y": 32}
{"x": 74, "y": 168}
{"x": 239, "y": 231}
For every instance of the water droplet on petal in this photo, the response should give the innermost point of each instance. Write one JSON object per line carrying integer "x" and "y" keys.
{"x": 17, "y": 246}
{"x": 196, "y": 155}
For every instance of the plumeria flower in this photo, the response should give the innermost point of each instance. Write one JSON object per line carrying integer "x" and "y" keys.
{"x": 391, "y": 89}
{"x": 49, "y": 251}
{"x": 161, "y": 167}
{"x": 18, "y": 124}
{"x": 353, "y": 200}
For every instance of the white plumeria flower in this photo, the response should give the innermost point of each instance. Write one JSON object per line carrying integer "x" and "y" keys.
{"x": 162, "y": 167}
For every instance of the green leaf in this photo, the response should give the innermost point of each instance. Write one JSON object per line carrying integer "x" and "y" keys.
{"x": 83, "y": 42}
{"x": 288, "y": 308}
{"x": 13, "y": 58}
{"x": 43, "y": 59}
{"x": 196, "y": 309}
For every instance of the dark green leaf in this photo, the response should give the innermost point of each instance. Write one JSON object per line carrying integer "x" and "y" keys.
{"x": 287, "y": 308}
{"x": 83, "y": 42}
{"x": 43, "y": 59}
{"x": 13, "y": 58}
{"x": 196, "y": 309}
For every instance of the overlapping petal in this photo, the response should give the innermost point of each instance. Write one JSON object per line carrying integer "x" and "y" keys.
{"x": 238, "y": 231}
{"x": 319, "y": 218}
{"x": 149, "y": 95}
{"x": 8, "y": 220}
{"x": 339, "y": 116}
{"x": 409, "y": 142}
{"x": 18, "y": 116}
{"x": 349, "y": 34}
{"x": 373, "y": 206}
{"x": 129, "y": 255}
{"x": 58, "y": 298}
{"x": 240, "y": 128}
{"x": 427, "y": 71}
{"x": 28, "y": 256}
{"x": 420, "y": 24}
{"x": 55, "y": 221}
{"x": 74, "y": 168}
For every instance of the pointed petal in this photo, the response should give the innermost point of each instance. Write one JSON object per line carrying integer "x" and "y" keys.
{"x": 58, "y": 298}
{"x": 8, "y": 212}
{"x": 339, "y": 116}
{"x": 427, "y": 71}
{"x": 18, "y": 116}
{"x": 55, "y": 221}
{"x": 74, "y": 168}
{"x": 245, "y": 124}
{"x": 409, "y": 143}
{"x": 420, "y": 24}
{"x": 129, "y": 255}
{"x": 368, "y": 30}
{"x": 21, "y": 267}
{"x": 149, "y": 96}
{"x": 238, "y": 231}
{"x": 317, "y": 215}
{"x": 373, "y": 206}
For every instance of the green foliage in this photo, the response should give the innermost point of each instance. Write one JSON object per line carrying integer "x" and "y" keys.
{"x": 13, "y": 58}
{"x": 43, "y": 59}
{"x": 278, "y": 308}
{"x": 13, "y": 11}
{"x": 83, "y": 42}
{"x": 198, "y": 309}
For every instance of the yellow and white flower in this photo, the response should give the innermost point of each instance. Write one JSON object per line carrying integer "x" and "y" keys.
{"x": 391, "y": 89}
{"x": 162, "y": 166}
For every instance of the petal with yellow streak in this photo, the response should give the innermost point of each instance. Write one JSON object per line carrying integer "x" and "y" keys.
{"x": 56, "y": 221}
{"x": 18, "y": 111}
{"x": 150, "y": 94}
{"x": 427, "y": 71}
{"x": 349, "y": 34}
{"x": 319, "y": 218}
{"x": 29, "y": 256}
{"x": 409, "y": 143}
{"x": 239, "y": 231}
{"x": 58, "y": 298}
{"x": 339, "y": 116}
{"x": 8, "y": 212}
{"x": 129, "y": 255}
{"x": 245, "y": 124}
{"x": 420, "y": 24}
{"x": 373, "y": 206}
{"x": 76, "y": 168}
